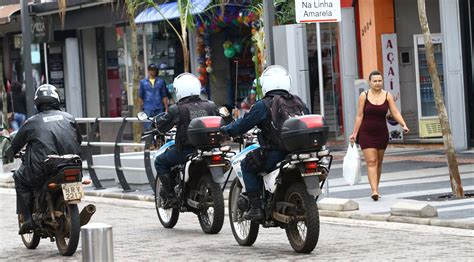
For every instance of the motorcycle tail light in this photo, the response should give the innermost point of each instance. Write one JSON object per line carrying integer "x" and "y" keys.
{"x": 216, "y": 159}
{"x": 70, "y": 175}
{"x": 310, "y": 167}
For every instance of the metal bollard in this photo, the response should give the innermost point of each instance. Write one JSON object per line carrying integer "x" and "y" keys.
{"x": 97, "y": 243}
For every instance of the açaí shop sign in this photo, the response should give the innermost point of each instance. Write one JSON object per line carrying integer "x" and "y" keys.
{"x": 313, "y": 11}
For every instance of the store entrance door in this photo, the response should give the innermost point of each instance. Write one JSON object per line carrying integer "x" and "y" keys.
{"x": 331, "y": 72}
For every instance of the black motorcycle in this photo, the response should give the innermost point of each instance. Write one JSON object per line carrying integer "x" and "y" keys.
{"x": 55, "y": 212}
{"x": 54, "y": 207}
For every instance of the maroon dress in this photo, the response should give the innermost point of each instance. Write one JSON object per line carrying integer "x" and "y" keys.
{"x": 373, "y": 132}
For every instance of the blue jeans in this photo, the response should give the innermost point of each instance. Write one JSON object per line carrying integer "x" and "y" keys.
{"x": 18, "y": 120}
{"x": 169, "y": 159}
{"x": 253, "y": 181}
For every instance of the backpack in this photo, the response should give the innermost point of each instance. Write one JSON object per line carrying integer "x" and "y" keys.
{"x": 281, "y": 108}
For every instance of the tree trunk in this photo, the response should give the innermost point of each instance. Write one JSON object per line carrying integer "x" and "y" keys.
{"x": 456, "y": 185}
{"x": 135, "y": 76}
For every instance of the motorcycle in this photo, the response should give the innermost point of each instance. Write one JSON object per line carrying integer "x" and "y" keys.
{"x": 54, "y": 207}
{"x": 197, "y": 182}
{"x": 289, "y": 192}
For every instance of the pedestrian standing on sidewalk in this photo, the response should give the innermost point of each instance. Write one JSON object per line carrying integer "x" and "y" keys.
{"x": 16, "y": 106}
{"x": 370, "y": 129}
{"x": 153, "y": 94}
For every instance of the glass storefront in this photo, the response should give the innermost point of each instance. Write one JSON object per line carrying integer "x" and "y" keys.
{"x": 158, "y": 44}
{"x": 331, "y": 75}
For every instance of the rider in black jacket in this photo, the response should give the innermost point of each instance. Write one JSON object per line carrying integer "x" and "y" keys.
{"x": 50, "y": 132}
{"x": 189, "y": 106}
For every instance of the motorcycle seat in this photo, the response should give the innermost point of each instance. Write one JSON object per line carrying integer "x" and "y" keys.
{"x": 56, "y": 162}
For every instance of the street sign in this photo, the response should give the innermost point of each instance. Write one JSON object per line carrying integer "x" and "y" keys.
{"x": 314, "y": 11}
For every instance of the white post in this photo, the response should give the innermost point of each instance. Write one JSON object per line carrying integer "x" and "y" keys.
{"x": 320, "y": 71}
{"x": 97, "y": 242}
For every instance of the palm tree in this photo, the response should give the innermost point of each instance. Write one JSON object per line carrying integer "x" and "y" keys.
{"x": 456, "y": 185}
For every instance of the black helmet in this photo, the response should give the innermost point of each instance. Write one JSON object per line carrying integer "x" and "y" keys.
{"x": 152, "y": 66}
{"x": 46, "y": 94}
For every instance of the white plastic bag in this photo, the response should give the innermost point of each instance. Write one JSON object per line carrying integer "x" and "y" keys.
{"x": 351, "y": 165}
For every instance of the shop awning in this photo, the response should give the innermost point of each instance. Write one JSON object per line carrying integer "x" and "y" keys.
{"x": 169, "y": 11}
{"x": 6, "y": 11}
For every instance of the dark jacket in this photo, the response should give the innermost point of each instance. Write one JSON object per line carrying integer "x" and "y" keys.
{"x": 260, "y": 116}
{"x": 19, "y": 102}
{"x": 181, "y": 114}
{"x": 51, "y": 132}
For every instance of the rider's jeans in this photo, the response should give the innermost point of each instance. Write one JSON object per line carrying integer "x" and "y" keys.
{"x": 253, "y": 181}
{"x": 170, "y": 158}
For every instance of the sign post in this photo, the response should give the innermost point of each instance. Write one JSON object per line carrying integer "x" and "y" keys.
{"x": 319, "y": 11}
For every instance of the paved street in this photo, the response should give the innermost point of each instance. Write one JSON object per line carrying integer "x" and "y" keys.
{"x": 139, "y": 236}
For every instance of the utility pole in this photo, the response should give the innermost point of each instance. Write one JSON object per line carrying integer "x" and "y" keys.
{"x": 26, "y": 35}
{"x": 268, "y": 22}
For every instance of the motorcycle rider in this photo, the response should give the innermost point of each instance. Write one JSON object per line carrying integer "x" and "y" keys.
{"x": 275, "y": 81}
{"x": 190, "y": 105}
{"x": 49, "y": 132}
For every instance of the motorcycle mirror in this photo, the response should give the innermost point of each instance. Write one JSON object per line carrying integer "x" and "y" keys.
{"x": 224, "y": 112}
{"x": 142, "y": 116}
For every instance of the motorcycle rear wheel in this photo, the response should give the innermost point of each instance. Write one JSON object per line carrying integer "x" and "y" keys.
{"x": 303, "y": 235}
{"x": 245, "y": 231}
{"x": 67, "y": 235}
{"x": 211, "y": 215}
{"x": 168, "y": 217}
{"x": 31, "y": 240}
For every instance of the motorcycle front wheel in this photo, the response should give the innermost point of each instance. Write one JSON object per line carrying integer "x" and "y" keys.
{"x": 30, "y": 240}
{"x": 245, "y": 231}
{"x": 168, "y": 217}
{"x": 211, "y": 201}
{"x": 67, "y": 234}
{"x": 303, "y": 233}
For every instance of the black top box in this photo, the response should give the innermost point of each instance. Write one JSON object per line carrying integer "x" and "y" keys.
{"x": 204, "y": 132}
{"x": 304, "y": 133}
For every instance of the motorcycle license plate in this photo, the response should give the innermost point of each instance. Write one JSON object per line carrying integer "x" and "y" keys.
{"x": 72, "y": 191}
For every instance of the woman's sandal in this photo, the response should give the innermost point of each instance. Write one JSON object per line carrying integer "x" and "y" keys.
{"x": 375, "y": 197}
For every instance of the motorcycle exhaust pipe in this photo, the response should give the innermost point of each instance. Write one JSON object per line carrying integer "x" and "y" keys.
{"x": 86, "y": 214}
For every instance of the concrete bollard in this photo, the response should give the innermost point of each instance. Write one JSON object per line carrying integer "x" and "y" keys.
{"x": 97, "y": 242}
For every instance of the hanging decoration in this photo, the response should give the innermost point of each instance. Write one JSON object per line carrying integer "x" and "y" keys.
{"x": 235, "y": 15}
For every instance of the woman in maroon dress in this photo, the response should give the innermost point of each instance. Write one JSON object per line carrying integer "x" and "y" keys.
{"x": 371, "y": 127}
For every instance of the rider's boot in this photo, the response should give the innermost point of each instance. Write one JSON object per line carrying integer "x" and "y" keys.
{"x": 255, "y": 212}
{"x": 168, "y": 194}
{"x": 28, "y": 223}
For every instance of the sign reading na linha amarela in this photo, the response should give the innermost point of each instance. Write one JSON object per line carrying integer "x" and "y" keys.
{"x": 314, "y": 11}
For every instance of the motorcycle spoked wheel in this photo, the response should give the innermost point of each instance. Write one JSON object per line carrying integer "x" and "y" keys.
{"x": 211, "y": 215}
{"x": 303, "y": 234}
{"x": 67, "y": 235}
{"x": 168, "y": 217}
{"x": 245, "y": 231}
{"x": 30, "y": 240}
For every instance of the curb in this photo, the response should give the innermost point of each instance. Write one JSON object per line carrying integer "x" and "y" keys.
{"x": 326, "y": 213}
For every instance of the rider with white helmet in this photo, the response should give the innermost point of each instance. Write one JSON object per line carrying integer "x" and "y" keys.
{"x": 190, "y": 105}
{"x": 276, "y": 84}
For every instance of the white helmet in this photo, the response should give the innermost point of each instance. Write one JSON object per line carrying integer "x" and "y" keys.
{"x": 185, "y": 85}
{"x": 275, "y": 77}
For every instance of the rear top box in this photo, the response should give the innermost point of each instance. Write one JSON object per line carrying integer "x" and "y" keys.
{"x": 204, "y": 132}
{"x": 304, "y": 133}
